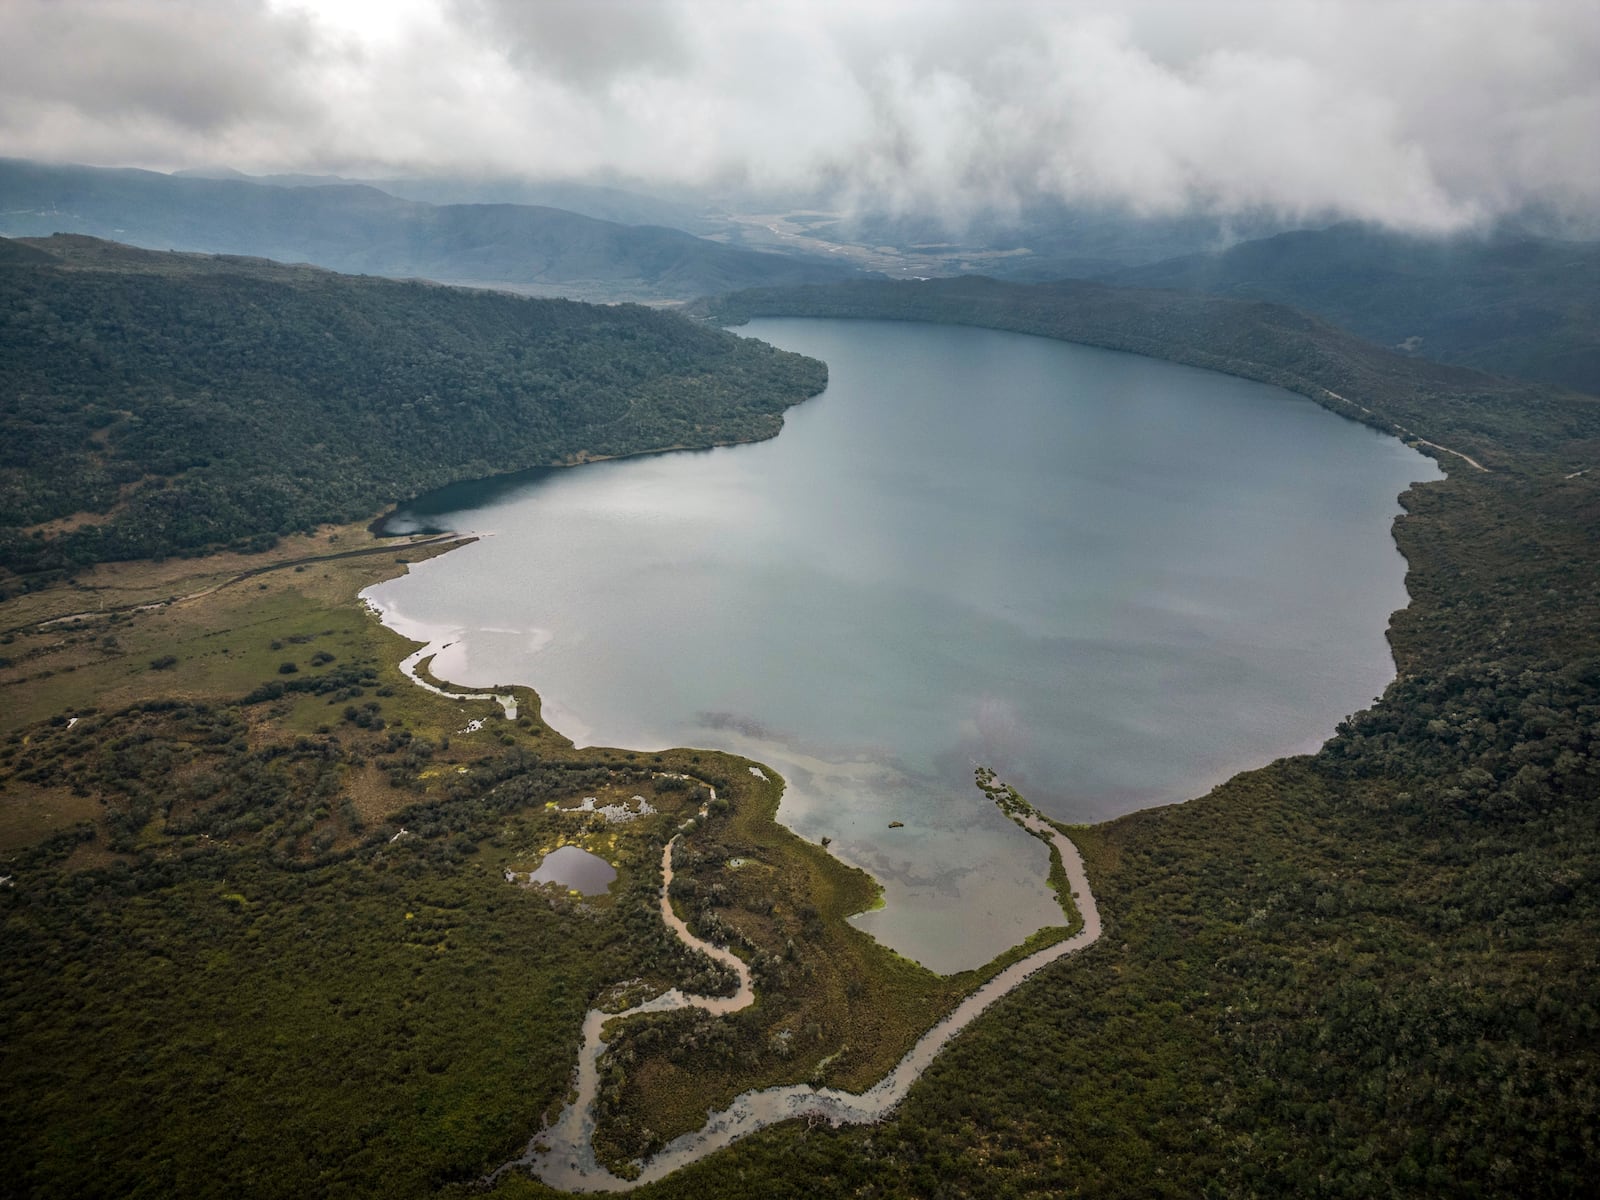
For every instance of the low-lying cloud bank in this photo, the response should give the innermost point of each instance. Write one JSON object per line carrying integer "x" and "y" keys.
{"x": 1417, "y": 114}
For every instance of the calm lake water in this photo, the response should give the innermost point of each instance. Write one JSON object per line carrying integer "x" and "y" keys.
{"x": 1117, "y": 581}
{"x": 575, "y": 867}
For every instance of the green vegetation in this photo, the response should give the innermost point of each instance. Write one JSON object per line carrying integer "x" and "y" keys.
{"x": 279, "y": 996}
{"x": 156, "y": 404}
{"x": 832, "y": 1004}
{"x": 214, "y": 627}
{"x": 834, "y": 1008}
{"x": 1518, "y": 305}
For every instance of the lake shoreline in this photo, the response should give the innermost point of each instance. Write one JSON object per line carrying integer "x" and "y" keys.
{"x": 377, "y": 525}
{"x": 1137, "y": 617}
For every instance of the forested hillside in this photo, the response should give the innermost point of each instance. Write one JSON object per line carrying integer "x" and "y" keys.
{"x": 1519, "y": 305}
{"x": 157, "y": 403}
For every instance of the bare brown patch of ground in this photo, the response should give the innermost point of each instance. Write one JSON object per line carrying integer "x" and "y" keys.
{"x": 93, "y": 855}
{"x": 372, "y": 797}
{"x": 29, "y": 813}
{"x": 107, "y": 587}
{"x": 82, "y": 520}
{"x": 66, "y": 524}
{"x": 292, "y": 619}
{"x": 219, "y": 639}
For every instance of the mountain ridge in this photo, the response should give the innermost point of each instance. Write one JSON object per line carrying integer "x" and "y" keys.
{"x": 1508, "y": 302}
{"x": 356, "y": 228}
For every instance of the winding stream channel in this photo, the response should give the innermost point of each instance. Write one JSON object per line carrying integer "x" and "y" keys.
{"x": 562, "y": 1154}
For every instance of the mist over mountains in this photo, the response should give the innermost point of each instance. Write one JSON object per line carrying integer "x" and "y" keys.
{"x": 360, "y": 230}
{"x": 604, "y": 202}
{"x": 1509, "y": 300}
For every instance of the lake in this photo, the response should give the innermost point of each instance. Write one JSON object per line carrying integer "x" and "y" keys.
{"x": 1116, "y": 581}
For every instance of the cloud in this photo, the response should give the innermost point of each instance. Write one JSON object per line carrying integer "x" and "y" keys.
{"x": 129, "y": 80}
{"x": 582, "y": 42}
{"x": 1415, "y": 113}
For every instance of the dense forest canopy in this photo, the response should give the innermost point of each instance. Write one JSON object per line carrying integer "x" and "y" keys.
{"x": 1523, "y": 305}
{"x": 157, "y": 404}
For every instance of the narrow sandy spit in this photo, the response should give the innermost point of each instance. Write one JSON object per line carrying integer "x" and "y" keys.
{"x": 412, "y": 663}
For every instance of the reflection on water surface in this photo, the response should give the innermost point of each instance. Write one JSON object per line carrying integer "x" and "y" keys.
{"x": 1115, "y": 580}
{"x": 576, "y": 868}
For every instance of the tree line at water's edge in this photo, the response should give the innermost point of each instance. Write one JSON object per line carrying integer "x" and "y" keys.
{"x": 1368, "y": 971}
{"x": 158, "y": 404}
{"x": 1487, "y": 416}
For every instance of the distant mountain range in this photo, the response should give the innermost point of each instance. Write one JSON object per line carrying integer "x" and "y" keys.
{"x": 621, "y": 205}
{"x": 1512, "y": 304}
{"x": 359, "y": 229}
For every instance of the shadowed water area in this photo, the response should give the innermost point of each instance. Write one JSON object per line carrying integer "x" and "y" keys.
{"x": 576, "y": 868}
{"x": 1115, "y": 580}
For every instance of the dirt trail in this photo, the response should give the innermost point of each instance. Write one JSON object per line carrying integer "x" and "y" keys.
{"x": 240, "y": 577}
{"x": 1406, "y": 433}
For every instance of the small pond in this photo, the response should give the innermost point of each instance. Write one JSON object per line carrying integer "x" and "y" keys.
{"x": 574, "y": 867}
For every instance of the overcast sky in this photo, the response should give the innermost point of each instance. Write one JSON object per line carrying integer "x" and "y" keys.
{"x": 1424, "y": 114}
